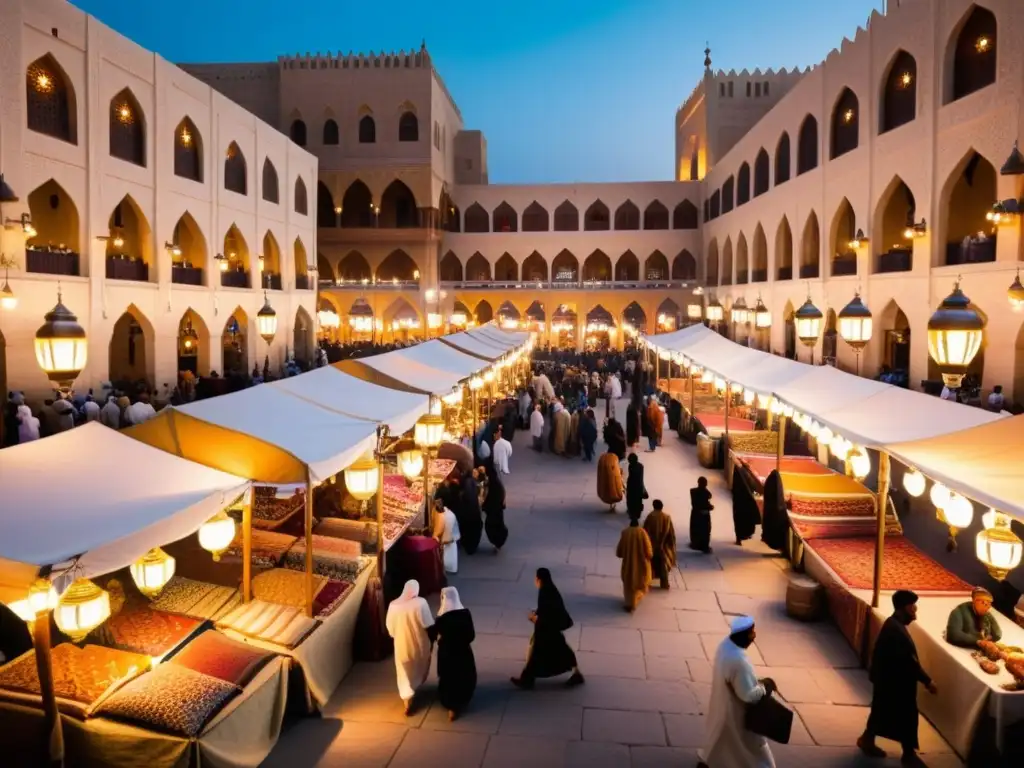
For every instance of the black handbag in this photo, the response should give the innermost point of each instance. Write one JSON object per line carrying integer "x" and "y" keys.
{"x": 770, "y": 718}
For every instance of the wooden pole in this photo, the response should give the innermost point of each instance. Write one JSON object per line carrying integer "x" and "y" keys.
{"x": 426, "y": 483}
{"x": 781, "y": 447}
{"x": 882, "y": 503}
{"x": 247, "y": 544}
{"x": 53, "y": 746}
{"x": 309, "y": 543}
{"x": 380, "y": 518}
{"x": 693, "y": 393}
{"x": 728, "y": 398}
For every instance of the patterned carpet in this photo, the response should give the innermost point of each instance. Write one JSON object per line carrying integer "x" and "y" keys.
{"x": 904, "y": 566}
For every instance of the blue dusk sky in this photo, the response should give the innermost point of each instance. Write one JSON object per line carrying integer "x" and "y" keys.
{"x": 564, "y": 90}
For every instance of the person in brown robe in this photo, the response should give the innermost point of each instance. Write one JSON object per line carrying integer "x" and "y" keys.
{"x": 662, "y": 534}
{"x": 572, "y": 446}
{"x": 560, "y": 431}
{"x": 654, "y": 421}
{"x": 610, "y": 488}
{"x": 636, "y": 553}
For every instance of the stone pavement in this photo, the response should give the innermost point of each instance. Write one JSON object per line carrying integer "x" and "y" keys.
{"x": 647, "y": 673}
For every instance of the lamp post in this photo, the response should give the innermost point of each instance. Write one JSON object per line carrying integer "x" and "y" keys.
{"x": 62, "y": 347}
{"x": 855, "y": 326}
{"x": 266, "y": 323}
{"x": 955, "y": 333}
{"x": 428, "y": 434}
{"x": 7, "y": 298}
{"x": 808, "y": 325}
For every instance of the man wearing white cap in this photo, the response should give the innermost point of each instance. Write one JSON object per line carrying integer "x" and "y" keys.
{"x": 734, "y": 685}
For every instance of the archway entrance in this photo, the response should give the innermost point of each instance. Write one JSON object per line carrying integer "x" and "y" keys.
{"x": 508, "y": 316}
{"x": 302, "y": 338}
{"x": 668, "y": 316}
{"x": 790, "y": 337}
{"x": 235, "y": 342}
{"x": 130, "y": 363}
{"x": 895, "y": 363}
{"x": 635, "y": 317}
{"x": 535, "y": 316}
{"x": 193, "y": 345}
{"x": 563, "y": 327}
{"x": 600, "y": 329}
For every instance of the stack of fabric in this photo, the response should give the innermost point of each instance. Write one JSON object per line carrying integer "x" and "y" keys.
{"x": 283, "y": 625}
{"x": 332, "y": 557}
{"x": 270, "y": 512}
{"x": 197, "y": 599}
{"x": 268, "y": 547}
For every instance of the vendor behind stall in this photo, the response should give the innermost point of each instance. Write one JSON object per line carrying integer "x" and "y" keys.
{"x": 970, "y": 623}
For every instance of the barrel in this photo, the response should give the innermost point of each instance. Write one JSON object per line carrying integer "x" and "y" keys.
{"x": 707, "y": 448}
{"x": 804, "y": 598}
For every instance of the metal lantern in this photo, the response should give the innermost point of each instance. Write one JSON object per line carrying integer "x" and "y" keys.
{"x": 955, "y": 333}
{"x": 1015, "y": 294}
{"x": 429, "y": 431}
{"x": 739, "y": 311}
{"x": 998, "y": 547}
{"x": 762, "y": 315}
{"x": 42, "y": 597}
{"x": 81, "y": 609}
{"x": 266, "y": 320}
{"x": 913, "y": 482}
{"x": 217, "y": 533}
{"x": 62, "y": 346}
{"x": 808, "y": 323}
{"x": 860, "y": 463}
{"x": 939, "y": 495}
{"x": 715, "y": 312}
{"x": 410, "y": 463}
{"x": 694, "y": 311}
{"x": 959, "y": 511}
{"x": 855, "y": 323}
{"x": 152, "y": 571}
{"x": 7, "y": 298}
{"x": 361, "y": 478}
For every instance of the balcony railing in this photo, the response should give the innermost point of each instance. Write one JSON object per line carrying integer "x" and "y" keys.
{"x": 239, "y": 278}
{"x": 185, "y": 274}
{"x": 593, "y": 285}
{"x": 759, "y": 276}
{"x": 271, "y": 281}
{"x": 123, "y": 268}
{"x": 741, "y": 279}
{"x": 44, "y": 261}
{"x": 367, "y": 285}
{"x": 844, "y": 265}
{"x": 896, "y": 260}
{"x": 785, "y": 273}
{"x": 302, "y": 283}
{"x": 809, "y": 271}
{"x": 975, "y": 252}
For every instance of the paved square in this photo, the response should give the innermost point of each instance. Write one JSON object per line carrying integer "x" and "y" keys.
{"x": 648, "y": 673}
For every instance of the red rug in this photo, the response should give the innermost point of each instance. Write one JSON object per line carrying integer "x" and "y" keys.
{"x": 717, "y": 421}
{"x": 762, "y": 466}
{"x": 904, "y": 566}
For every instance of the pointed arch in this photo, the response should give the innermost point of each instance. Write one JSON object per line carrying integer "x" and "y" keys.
{"x": 726, "y": 272}
{"x": 535, "y": 268}
{"x": 450, "y": 268}
{"x": 535, "y": 311}
{"x": 656, "y": 216}
{"x": 965, "y": 199}
{"x": 784, "y": 251}
{"x": 899, "y": 93}
{"x": 354, "y": 268}
{"x": 728, "y": 195}
{"x": 535, "y": 218}
{"x": 55, "y": 219}
{"x": 596, "y": 218}
{"x": 895, "y": 210}
{"x": 716, "y": 203}
{"x": 130, "y": 244}
{"x": 743, "y": 185}
{"x": 894, "y": 351}
{"x": 627, "y": 268}
{"x": 301, "y": 203}
{"x": 759, "y": 264}
{"x": 684, "y": 216}
{"x": 303, "y": 337}
{"x": 635, "y": 317}
{"x": 193, "y": 264}
{"x": 505, "y": 218}
{"x": 270, "y": 269}
{"x": 453, "y": 222}
{"x": 408, "y": 127}
{"x": 367, "y": 130}
{"x": 627, "y": 216}
{"x": 127, "y": 128}
{"x": 684, "y": 266}
{"x": 810, "y": 248}
{"x": 845, "y": 124}
{"x": 483, "y": 313}
{"x": 842, "y": 256}
{"x": 331, "y": 134}
{"x": 236, "y": 254}
{"x": 234, "y": 341}
{"x": 971, "y": 55}
{"x": 506, "y": 269}
{"x": 668, "y": 314}
{"x": 656, "y": 267}
{"x": 398, "y": 207}
{"x": 507, "y": 312}
{"x": 475, "y": 219}
{"x": 567, "y": 217}
{"x": 565, "y": 268}
{"x": 236, "y": 174}
{"x": 357, "y": 206}
{"x": 762, "y": 170}
{"x": 783, "y": 162}
{"x": 742, "y": 261}
{"x": 398, "y": 265}
{"x": 478, "y": 269}
{"x": 711, "y": 265}
{"x": 597, "y": 267}
{"x": 188, "y": 151}
{"x": 270, "y": 189}
{"x": 302, "y": 265}
{"x": 193, "y": 344}
{"x": 807, "y": 146}
{"x": 130, "y": 353}
{"x": 297, "y": 131}
{"x": 51, "y": 104}
{"x": 324, "y": 269}
{"x": 326, "y": 215}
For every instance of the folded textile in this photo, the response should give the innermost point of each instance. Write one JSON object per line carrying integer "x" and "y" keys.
{"x": 214, "y": 653}
{"x": 213, "y": 603}
{"x": 363, "y": 531}
{"x": 295, "y": 631}
{"x": 268, "y": 547}
{"x": 270, "y": 511}
{"x": 332, "y": 557}
{"x": 180, "y": 594}
{"x": 233, "y": 602}
{"x": 903, "y": 567}
{"x": 283, "y": 625}
{"x": 79, "y": 674}
{"x": 285, "y": 587}
{"x": 140, "y": 629}
{"x": 330, "y": 597}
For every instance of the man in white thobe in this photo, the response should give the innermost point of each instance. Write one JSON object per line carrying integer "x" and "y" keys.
{"x": 537, "y": 428}
{"x": 407, "y": 622}
{"x": 446, "y": 531}
{"x": 502, "y": 453}
{"x": 734, "y": 685}
{"x": 524, "y": 408}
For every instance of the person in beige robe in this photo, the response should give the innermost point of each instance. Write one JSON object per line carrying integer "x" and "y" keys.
{"x": 560, "y": 425}
{"x": 662, "y": 534}
{"x": 636, "y": 553}
{"x": 572, "y": 446}
{"x": 610, "y": 487}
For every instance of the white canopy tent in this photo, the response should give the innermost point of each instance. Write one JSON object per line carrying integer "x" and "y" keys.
{"x": 480, "y": 346}
{"x": 358, "y": 399}
{"x": 432, "y": 354}
{"x": 426, "y": 377}
{"x": 490, "y": 331}
{"x": 96, "y": 493}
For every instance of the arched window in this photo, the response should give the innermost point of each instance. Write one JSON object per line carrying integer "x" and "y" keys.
{"x": 684, "y": 266}
{"x": 450, "y": 269}
{"x": 297, "y": 132}
{"x": 784, "y": 251}
{"x": 188, "y": 151}
{"x": 535, "y": 218}
{"x": 235, "y": 173}
{"x": 899, "y": 99}
{"x": 685, "y": 215}
{"x": 398, "y": 207}
{"x": 783, "y": 162}
{"x": 301, "y": 203}
{"x": 331, "y": 137}
{"x": 567, "y": 218}
{"x": 627, "y": 216}
{"x": 973, "y": 54}
{"x": 50, "y": 100}
{"x": 627, "y": 268}
{"x": 325, "y": 213}
{"x": 476, "y": 219}
{"x": 656, "y": 216}
{"x": 743, "y": 185}
{"x": 408, "y": 127}
{"x": 127, "y": 129}
{"x": 596, "y": 218}
{"x": 716, "y": 203}
{"x": 357, "y": 206}
{"x": 845, "y": 124}
{"x": 478, "y": 269}
{"x": 807, "y": 149}
{"x": 728, "y": 194}
{"x": 367, "y": 130}
{"x": 269, "y": 186}
{"x": 505, "y": 218}
{"x": 761, "y": 170}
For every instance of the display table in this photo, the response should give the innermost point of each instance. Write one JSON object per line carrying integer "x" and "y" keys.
{"x": 240, "y": 736}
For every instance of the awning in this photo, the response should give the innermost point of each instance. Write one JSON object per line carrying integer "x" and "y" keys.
{"x": 356, "y": 398}
{"x": 502, "y": 338}
{"x": 94, "y": 492}
{"x": 432, "y": 366}
{"x": 262, "y": 433}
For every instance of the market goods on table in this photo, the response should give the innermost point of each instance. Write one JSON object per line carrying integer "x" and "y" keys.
{"x": 268, "y": 547}
{"x": 332, "y": 557}
{"x": 193, "y": 598}
{"x": 138, "y": 628}
{"x": 284, "y": 586}
{"x": 283, "y": 625}
{"x": 217, "y": 655}
{"x": 270, "y": 511}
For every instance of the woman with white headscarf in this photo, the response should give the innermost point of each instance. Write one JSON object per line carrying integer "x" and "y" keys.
{"x": 28, "y": 425}
{"x": 456, "y": 666}
{"x": 408, "y": 622}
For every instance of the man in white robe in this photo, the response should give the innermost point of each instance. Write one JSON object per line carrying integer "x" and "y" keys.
{"x": 734, "y": 685}
{"x": 537, "y": 428}
{"x": 407, "y": 621}
{"x": 502, "y": 453}
{"x": 446, "y": 531}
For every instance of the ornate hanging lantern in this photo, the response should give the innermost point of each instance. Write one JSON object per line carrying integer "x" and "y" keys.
{"x": 762, "y": 315}
{"x": 998, "y": 547}
{"x": 855, "y": 324}
{"x": 266, "y": 320}
{"x": 715, "y": 312}
{"x": 429, "y": 432}
{"x": 217, "y": 533}
{"x": 62, "y": 346}
{"x": 955, "y": 334}
{"x": 913, "y": 482}
{"x": 361, "y": 478}
{"x": 808, "y": 323}
{"x": 410, "y": 463}
{"x": 81, "y": 609}
{"x": 152, "y": 571}
{"x": 860, "y": 463}
{"x": 1015, "y": 293}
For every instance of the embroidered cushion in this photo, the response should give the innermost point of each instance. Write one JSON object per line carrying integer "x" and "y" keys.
{"x": 330, "y": 597}
{"x": 140, "y": 629}
{"x": 217, "y": 655}
{"x": 79, "y": 674}
{"x": 268, "y": 547}
{"x": 172, "y": 698}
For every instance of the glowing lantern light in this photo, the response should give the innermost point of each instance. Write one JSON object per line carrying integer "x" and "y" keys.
{"x": 860, "y": 463}
{"x": 955, "y": 333}
{"x": 152, "y": 571}
{"x": 81, "y": 609}
{"x": 825, "y": 436}
{"x": 410, "y": 463}
{"x": 840, "y": 448}
{"x": 42, "y": 597}
{"x": 217, "y": 533}
{"x": 939, "y": 495}
{"x": 429, "y": 431}
{"x": 913, "y": 483}
{"x": 991, "y": 519}
{"x": 361, "y": 478}
{"x": 748, "y": 397}
{"x": 61, "y": 346}
{"x": 959, "y": 511}
{"x": 998, "y": 547}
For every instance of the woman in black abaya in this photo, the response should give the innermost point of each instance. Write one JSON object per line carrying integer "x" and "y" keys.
{"x": 494, "y": 509}
{"x": 456, "y": 666}
{"x": 471, "y": 524}
{"x": 549, "y": 654}
{"x": 775, "y": 524}
{"x": 745, "y": 516}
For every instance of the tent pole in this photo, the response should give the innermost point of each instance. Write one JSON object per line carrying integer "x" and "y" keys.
{"x": 426, "y": 487}
{"x": 781, "y": 446}
{"x": 247, "y": 544}
{"x": 379, "y": 510}
{"x": 882, "y": 502}
{"x": 693, "y": 393}
{"x": 309, "y": 543}
{"x": 53, "y": 748}
{"x": 472, "y": 425}
{"x": 728, "y": 398}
